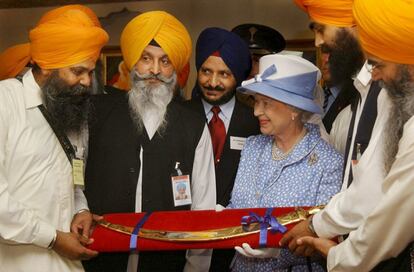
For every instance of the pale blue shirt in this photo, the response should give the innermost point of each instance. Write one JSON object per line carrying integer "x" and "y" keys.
{"x": 225, "y": 113}
{"x": 332, "y": 97}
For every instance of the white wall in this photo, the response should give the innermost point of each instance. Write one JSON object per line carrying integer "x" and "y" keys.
{"x": 196, "y": 15}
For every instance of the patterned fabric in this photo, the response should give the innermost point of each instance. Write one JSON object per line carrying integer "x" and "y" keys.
{"x": 310, "y": 175}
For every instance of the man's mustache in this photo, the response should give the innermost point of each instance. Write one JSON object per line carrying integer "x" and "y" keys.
{"x": 159, "y": 77}
{"x": 211, "y": 88}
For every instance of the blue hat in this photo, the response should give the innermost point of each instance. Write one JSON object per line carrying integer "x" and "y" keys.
{"x": 232, "y": 49}
{"x": 286, "y": 78}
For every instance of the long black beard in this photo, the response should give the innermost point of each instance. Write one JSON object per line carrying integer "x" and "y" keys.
{"x": 69, "y": 106}
{"x": 401, "y": 93}
{"x": 345, "y": 58}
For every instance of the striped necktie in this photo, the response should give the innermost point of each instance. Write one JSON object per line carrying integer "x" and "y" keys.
{"x": 327, "y": 93}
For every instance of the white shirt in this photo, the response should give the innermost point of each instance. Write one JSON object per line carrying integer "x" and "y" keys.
{"x": 339, "y": 130}
{"x": 203, "y": 194}
{"x": 347, "y": 210}
{"x": 36, "y": 189}
{"x": 226, "y": 111}
{"x": 388, "y": 229}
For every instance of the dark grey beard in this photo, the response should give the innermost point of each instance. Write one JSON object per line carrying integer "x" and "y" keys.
{"x": 401, "y": 93}
{"x": 146, "y": 99}
{"x": 69, "y": 106}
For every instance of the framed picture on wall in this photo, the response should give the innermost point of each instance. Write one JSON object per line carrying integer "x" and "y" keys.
{"x": 111, "y": 57}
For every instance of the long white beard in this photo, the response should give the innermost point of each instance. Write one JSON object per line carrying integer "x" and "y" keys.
{"x": 148, "y": 102}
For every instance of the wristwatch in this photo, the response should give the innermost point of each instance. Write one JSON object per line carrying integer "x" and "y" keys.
{"x": 310, "y": 225}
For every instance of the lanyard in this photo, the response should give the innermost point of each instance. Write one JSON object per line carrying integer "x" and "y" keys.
{"x": 63, "y": 139}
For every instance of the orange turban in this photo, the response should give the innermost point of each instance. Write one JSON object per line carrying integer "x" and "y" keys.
{"x": 54, "y": 13}
{"x": 386, "y": 29}
{"x": 162, "y": 27}
{"x": 63, "y": 37}
{"x": 329, "y": 12}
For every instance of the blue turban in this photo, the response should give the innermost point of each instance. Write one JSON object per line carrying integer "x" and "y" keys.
{"x": 232, "y": 49}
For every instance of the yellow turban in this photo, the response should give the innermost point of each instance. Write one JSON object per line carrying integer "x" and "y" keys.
{"x": 63, "y": 37}
{"x": 386, "y": 29}
{"x": 162, "y": 27}
{"x": 329, "y": 12}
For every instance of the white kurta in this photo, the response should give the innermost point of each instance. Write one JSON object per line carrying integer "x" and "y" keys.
{"x": 347, "y": 210}
{"x": 36, "y": 189}
{"x": 389, "y": 227}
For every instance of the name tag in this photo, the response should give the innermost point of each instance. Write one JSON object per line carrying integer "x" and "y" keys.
{"x": 181, "y": 190}
{"x": 77, "y": 172}
{"x": 237, "y": 143}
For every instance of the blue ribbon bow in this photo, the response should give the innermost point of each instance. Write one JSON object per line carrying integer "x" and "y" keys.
{"x": 302, "y": 84}
{"x": 266, "y": 221}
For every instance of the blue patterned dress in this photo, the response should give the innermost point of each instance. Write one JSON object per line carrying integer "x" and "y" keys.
{"x": 310, "y": 175}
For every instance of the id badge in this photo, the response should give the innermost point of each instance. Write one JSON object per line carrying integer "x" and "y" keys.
{"x": 237, "y": 143}
{"x": 181, "y": 190}
{"x": 77, "y": 172}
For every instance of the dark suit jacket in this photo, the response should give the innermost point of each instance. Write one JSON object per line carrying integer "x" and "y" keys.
{"x": 345, "y": 97}
{"x": 242, "y": 124}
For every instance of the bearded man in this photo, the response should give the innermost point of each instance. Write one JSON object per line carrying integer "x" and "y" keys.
{"x": 386, "y": 233}
{"x": 140, "y": 139}
{"x": 364, "y": 169}
{"x": 37, "y": 113}
{"x": 341, "y": 54}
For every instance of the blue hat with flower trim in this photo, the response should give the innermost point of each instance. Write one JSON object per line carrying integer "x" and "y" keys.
{"x": 286, "y": 78}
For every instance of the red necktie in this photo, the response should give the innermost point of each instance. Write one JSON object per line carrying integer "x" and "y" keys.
{"x": 218, "y": 133}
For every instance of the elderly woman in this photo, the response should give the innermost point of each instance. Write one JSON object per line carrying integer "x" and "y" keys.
{"x": 289, "y": 165}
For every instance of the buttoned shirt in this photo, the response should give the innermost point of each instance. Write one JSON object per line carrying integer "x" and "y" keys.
{"x": 388, "y": 228}
{"x": 226, "y": 111}
{"x": 347, "y": 210}
{"x": 36, "y": 187}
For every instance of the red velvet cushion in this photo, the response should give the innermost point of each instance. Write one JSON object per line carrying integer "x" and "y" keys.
{"x": 107, "y": 240}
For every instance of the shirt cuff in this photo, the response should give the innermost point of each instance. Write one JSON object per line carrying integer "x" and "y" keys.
{"x": 318, "y": 226}
{"x": 44, "y": 235}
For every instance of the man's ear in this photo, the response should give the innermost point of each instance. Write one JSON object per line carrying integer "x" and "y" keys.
{"x": 41, "y": 75}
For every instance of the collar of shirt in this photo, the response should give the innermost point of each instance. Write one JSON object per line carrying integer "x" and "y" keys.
{"x": 334, "y": 91}
{"x": 32, "y": 92}
{"x": 363, "y": 81}
{"x": 225, "y": 113}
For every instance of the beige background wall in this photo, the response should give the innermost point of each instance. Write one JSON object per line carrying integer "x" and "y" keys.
{"x": 196, "y": 15}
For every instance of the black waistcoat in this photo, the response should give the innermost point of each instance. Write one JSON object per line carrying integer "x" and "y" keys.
{"x": 345, "y": 97}
{"x": 243, "y": 124}
{"x": 365, "y": 126}
{"x": 113, "y": 166}
{"x": 401, "y": 263}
